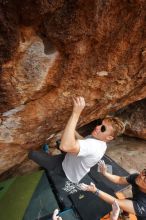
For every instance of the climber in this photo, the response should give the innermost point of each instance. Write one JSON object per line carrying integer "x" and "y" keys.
{"x": 135, "y": 205}
{"x": 81, "y": 153}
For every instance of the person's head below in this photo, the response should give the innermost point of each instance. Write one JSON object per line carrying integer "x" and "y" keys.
{"x": 141, "y": 180}
{"x": 108, "y": 128}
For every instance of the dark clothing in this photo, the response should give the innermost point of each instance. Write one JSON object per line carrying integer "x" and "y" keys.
{"x": 47, "y": 161}
{"x": 139, "y": 198}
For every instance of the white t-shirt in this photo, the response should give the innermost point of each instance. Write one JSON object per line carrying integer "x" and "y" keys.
{"x": 77, "y": 166}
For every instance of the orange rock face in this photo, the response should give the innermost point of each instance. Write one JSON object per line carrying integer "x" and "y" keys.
{"x": 51, "y": 52}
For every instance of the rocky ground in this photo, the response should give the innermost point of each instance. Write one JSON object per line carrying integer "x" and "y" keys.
{"x": 129, "y": 153}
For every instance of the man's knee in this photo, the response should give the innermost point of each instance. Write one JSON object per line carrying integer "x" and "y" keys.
{"x": 38, "y": 155}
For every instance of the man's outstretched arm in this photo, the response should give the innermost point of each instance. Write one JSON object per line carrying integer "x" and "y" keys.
{"x": 125, "y": 204}
{"x": 113, "y": 178}
{"x": 68, "y": 141}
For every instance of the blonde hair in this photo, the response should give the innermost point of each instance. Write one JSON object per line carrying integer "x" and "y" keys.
{"x": 117, "y": 124}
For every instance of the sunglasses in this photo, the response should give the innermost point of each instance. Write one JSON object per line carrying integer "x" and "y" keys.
{"x": 99, "y": 122}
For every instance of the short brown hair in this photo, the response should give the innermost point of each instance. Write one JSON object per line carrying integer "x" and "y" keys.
{"x": 117, "y": 124}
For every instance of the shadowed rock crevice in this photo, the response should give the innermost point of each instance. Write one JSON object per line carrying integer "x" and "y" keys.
{"x": 134, "y": 116}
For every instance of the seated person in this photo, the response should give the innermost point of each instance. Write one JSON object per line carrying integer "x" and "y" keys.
{"x": 81, "y": 153}
{"x": 135, "y": 205}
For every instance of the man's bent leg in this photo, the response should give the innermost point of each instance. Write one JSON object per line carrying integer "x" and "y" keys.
{"x": 46, "y": 161}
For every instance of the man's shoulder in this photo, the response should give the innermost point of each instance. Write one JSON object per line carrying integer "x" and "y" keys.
{"x": 93, "y": 145}
{"x": 94, "y": 140}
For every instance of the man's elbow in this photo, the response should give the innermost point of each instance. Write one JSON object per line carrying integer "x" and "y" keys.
{"x": 62, "y": 147}
{"x": 69, "y": 148}
{"x": 66, "y": 144}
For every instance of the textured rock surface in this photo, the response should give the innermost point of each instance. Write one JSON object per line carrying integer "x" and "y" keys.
{"x": 129, "y": 153}
{"x": 54, "y": 50}
{"x": 134, "y": 117}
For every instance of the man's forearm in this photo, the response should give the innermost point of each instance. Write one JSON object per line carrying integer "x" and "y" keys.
{"x": 68, "y": 138}
{"x": 111, "y": 177}
{"x": 106, "y": 197}
{"x": 115, "y": 179}
{"x": 68, "y": 141}
{"x": 125, "y": 204}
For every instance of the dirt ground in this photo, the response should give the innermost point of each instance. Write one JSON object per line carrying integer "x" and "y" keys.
{"x": 128, "y": 152}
